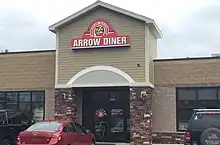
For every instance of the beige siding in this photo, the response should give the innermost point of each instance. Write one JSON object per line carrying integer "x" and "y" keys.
{"x": 27, "y": 70}
{"x": 184, "y": 72}
{"x": 152, "y": 55}
{"x": 71, "y": 62}
{"x": 147, "y": 49}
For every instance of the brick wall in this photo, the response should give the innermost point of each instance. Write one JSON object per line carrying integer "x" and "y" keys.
{"x": 141, "y": 115}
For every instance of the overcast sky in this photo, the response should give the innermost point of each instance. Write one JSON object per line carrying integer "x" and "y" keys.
{"x": 190, "y": 27}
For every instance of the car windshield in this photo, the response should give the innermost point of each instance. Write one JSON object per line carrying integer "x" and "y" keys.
{"x": 205, "y": 120}
{"x": 45, "y": 126}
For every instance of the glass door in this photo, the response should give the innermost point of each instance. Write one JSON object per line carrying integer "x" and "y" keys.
{"x": 106, "y": 112}
{"x": 119, "y": 115}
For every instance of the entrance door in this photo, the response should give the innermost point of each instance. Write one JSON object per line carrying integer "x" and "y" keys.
{"x": 106, "y": 112}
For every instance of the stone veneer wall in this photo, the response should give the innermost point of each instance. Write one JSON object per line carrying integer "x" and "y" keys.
{"x": 141, "y": 115}
{"x": 168, "y": 138}
{"x": 65, "y": 107}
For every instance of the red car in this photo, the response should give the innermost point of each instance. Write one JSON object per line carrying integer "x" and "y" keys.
{"x": 55, "y": 133}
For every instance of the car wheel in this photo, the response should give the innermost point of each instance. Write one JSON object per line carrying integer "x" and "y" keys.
{"x": 210, "y": 136}
{"x": 7, "y": 142}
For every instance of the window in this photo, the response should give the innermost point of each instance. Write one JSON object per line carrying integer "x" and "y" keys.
{"x": 37, "y": 96}
{"x": 47, "y": 126}
{"x": 207, "y": 94}
{"x": 201, "y": 121}
{"x": 2, "y": 100}
{"x": 31, "y": 103}
{"x": 12, "y": 96}
{"x": 186, "y": 94}
{"x": 71, "y": 127}
{"x": 24, "y": 96}
{"x": 184, "y": 116}
{"x": 79, "y": 128}
{"x": 192, "y": 98}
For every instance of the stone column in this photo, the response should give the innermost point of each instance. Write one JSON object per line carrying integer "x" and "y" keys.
{"x": 141, "y": 115}
{"x": 65, "y": 107}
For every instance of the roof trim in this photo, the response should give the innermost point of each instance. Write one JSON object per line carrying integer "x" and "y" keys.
{"x": 185, "y": 59}
{"x": 155, "y": 29}
{"x": 31, "y": 51}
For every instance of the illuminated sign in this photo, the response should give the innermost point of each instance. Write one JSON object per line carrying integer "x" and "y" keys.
{"x": 100, "y": 34}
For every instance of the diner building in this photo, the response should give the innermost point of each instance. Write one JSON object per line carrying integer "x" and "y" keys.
{"x": 105, "y": 74}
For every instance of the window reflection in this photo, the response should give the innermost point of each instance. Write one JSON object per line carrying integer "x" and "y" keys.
{"x": 37, "y": 111}
{"x": 25, "y": 108}
{"x": 37, "y": 96}
{"x": 23, "y": 101}
{"x": 24, "y": 96}
{"x": 12, "y": 96}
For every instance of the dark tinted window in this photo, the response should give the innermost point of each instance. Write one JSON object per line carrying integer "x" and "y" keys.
{"x": 37, "y": 96}
{"x": 79, "y": 128}
{"x": 45, "y": 126}
{"x": 207, "y": 94}
{"x": 205, "y": 120}
{"x": 71, "y": 127}
{"x": 186, "y": 94}
{"x": 2, "y": 97}
{"x": 25, "y": 96}
{"x": 219, "y": 93}
{"x": 12, "y": 96}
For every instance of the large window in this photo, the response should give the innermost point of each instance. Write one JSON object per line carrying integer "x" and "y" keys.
{"x": 192, "y": 98}
{"x": 30, "y": 103}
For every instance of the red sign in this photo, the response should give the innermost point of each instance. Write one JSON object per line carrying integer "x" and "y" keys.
{"x": 100, "y": 34}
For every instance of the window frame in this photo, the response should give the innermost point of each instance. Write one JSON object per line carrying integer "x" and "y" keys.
{"x": 30, "y": 116}
{"x": 197, "y": 103}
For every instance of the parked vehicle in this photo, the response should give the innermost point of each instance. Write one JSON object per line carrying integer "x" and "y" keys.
{"x": 56, "y": 132}
{"x": 11, "y": 124}
{"x": 204, "y": 128}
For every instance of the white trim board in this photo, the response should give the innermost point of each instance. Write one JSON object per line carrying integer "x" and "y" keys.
{"x": 104, "y": 85}
{"x": 151, "y": 23}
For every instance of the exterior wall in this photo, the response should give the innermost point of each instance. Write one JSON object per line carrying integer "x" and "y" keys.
{"x": 170, "y": 74}
{"x": 164, "y": 106}
{"x": 71, "y": 62}
{"x": 28, "y": 71}
{"x": 187, "y": 72}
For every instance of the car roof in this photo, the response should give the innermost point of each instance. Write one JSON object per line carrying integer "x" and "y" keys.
{"x": 207, "y": 111}
{"x": 60, "y": 121}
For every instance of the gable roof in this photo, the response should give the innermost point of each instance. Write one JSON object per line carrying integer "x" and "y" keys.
{"x": 150, "y": 22}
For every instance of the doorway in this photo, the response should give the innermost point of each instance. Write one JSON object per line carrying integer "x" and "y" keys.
{"x": 106, "y": 112}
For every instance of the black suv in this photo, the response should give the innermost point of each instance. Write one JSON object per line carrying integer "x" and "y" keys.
{"x": 11, "y": 123}
{"x": 203, "y": 128}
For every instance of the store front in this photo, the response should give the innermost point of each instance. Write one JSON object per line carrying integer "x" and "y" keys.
{"x": 104, "y": 72}
{"x": 103, "y": 75}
